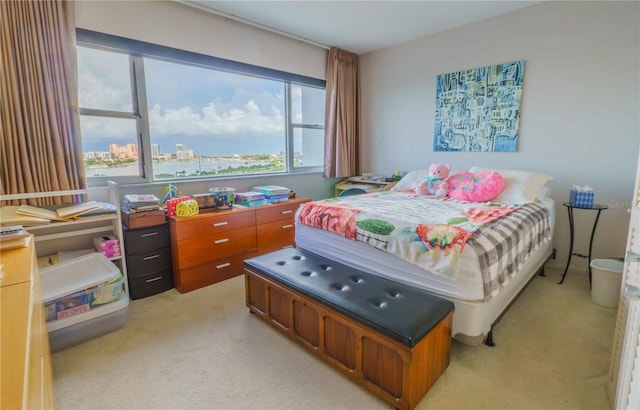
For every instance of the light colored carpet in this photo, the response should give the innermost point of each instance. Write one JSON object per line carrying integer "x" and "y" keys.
{"x": 204, "y": 350}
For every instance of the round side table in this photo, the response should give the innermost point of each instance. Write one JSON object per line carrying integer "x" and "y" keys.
{"x": 570, "y": 208}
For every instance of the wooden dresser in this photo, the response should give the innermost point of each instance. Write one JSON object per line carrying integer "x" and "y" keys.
{"x": 211, "y": 247}
{"x": 26, "y": 375}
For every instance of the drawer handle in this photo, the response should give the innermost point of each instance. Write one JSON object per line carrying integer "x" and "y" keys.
{"x": 151, "y": 257}
{"x": 224, "y": 265}
{"x": 153, "y": 280}
{"x": 287, "y": 226}
{"x": 148, "y": 234}
{"x": 219, "y": 241}
{"x": 220, "y": 224}
{"x": 286, "y": 212}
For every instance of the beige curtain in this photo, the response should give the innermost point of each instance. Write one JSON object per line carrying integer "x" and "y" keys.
{"x": 342, "y": 117}
{"x": 39, "y": 124}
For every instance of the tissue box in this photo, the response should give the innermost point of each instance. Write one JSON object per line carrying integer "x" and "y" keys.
{"x": 107, "y": 245}
{"x": 581, "y": 199}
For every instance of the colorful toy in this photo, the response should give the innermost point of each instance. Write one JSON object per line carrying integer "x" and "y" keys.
{"x": 172, "y": 193}
{"x": 436, "y": 183}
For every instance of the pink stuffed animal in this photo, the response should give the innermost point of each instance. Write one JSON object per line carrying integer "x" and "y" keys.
{"x": 436, "y": 183}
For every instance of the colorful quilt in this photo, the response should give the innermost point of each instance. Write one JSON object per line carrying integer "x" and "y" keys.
{"x": 432, "y": 232}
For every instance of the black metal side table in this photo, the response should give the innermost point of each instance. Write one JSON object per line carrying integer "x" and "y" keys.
{"x": 570, "y": 208}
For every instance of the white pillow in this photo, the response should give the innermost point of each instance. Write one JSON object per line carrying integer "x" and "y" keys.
{"x": 411, "y": 181}
{"x": 521, "y": 187}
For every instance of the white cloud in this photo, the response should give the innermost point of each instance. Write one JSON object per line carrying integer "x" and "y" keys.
{"x": 245, "y": 120}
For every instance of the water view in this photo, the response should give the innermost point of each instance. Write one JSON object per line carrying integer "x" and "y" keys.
{"x": 198, "y": 167}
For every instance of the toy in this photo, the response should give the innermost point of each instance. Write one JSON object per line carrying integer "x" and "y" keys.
{"x": 436, "y": 183}
{"x": 172, "y": 193}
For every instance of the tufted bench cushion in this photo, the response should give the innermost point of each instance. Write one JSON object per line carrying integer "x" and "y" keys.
{"x": 390, "y": 338}
{"x": 399, "y": 311}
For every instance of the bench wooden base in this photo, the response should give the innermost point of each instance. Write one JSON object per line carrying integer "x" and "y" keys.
{"x": 395, "y": 372}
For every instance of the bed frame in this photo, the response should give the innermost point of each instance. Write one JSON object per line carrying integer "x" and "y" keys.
{"x": 473, "y": 321}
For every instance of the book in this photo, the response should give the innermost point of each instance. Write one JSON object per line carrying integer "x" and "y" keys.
{"x": 29, "y": 210}
{"x": 9, "y": 216}
{"x": 141, "y": 198}
{"x": 72, "y": 211}
{"x": 250, "y": 204}
{"x": 14, "y": 243}
{"x": 271, "y": 189}
{"x": 9, "y": 233}
{"x": 249, "y": 196}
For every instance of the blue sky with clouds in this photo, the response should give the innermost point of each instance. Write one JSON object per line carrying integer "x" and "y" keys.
{"x": 212, "y": 112}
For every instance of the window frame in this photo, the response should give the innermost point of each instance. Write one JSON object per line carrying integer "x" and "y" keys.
{"x": 138, "y": 50}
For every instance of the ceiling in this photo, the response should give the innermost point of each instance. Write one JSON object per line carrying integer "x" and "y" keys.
{"x": 358, "y": 26}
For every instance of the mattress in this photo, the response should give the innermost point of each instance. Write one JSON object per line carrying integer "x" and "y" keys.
{"x": 467, "y": 285}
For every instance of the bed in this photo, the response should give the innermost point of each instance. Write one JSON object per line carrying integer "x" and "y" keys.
{"x": 479, "y": 255}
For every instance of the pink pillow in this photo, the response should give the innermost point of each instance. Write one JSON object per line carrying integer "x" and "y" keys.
{"x": 479, "y": 187}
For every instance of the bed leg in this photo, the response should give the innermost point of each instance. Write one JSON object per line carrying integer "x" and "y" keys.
{"x": 541, "y": 272}
{"x": 489, "y": 340}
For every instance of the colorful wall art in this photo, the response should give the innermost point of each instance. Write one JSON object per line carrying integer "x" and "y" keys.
{"x": 478, "y": 110}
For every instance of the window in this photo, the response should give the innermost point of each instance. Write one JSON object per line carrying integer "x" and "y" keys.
{"x": 152, "y": 113}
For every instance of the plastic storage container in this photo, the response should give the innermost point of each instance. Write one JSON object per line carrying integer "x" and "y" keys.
{"x": 79, "y": 284}
{"x": 606, "y": 282}
{"x": 83, "y": 298}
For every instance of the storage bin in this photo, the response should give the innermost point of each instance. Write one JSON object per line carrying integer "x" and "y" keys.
{"x": 606, "y": 280}
{"x": 77, "y": 285}
{"x": 96, "y": 322}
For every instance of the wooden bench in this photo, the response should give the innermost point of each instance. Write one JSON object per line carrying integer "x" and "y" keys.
{"x": 390, "y": 338}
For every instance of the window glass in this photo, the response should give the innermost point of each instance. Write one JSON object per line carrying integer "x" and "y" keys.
{"x": 205, "y": 122}
{"x": 109, "y": 146}
{"x": 307, "y": 105}
{"x": 308, "y": 147}
{"x": 104, "y": 80}
{"x": 152, "y": 113}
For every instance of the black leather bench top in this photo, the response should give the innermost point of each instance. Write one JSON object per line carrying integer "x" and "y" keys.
{"x": 399, "y": 311}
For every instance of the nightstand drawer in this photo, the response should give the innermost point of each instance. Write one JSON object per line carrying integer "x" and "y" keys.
{"x": 151, "y": 261}
{"x": 138, "y": 240}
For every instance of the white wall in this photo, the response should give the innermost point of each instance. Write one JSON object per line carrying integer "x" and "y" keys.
{"x": 579, "y": 113}
{"x": 176, "y": 25}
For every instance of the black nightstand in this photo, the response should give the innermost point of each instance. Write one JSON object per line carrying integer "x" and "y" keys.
{"x": 570, "y": 208}
{"x": 149, "y": 268}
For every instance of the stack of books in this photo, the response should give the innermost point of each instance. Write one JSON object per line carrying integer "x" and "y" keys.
{"x": 251, "y": 198}
{"x": 273, "y": 193}
{"x": 141, "y": 203}
{"x": 13, "y": 237}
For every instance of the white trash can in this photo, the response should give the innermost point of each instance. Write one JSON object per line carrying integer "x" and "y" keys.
{"x": 606, "y": 278}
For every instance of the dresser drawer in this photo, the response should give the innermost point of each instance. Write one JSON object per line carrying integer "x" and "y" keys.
{"x": 138, "y": 240}
{"x": 276, "y": 212}
{"x": 211, "y": 272}
{"x": 201, "y": 249}
{"x": 275, "y": 235}
{"x": 150, "y": 284}
{"x": 223, "y": 222}
{"x": 150, "y": 261}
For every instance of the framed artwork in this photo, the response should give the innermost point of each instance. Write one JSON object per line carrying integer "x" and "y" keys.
{"x": 478, "y": 110}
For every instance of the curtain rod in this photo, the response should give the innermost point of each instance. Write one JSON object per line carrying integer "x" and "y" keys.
{"x": 250, "y": 23}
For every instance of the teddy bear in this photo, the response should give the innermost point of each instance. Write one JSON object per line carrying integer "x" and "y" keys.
{"x": 436, "y": 182}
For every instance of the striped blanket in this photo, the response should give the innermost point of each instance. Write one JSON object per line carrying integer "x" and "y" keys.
{"x": 432, "y": 232}
{"x": 504, "y": 245}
